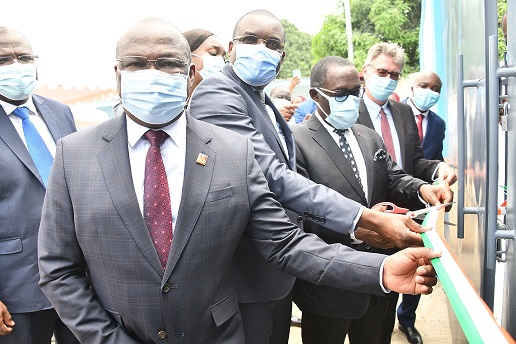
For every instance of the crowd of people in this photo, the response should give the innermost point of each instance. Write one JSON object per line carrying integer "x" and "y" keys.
{"x": 205, "y": 208}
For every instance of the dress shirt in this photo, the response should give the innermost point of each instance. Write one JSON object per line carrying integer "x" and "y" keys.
{"x": 374, "y": 112}
{"x": 35, "y": 118}
{"x": 272, "y": 116}
{"x": 173, "y": 152}
{"x": 417, "y": 112}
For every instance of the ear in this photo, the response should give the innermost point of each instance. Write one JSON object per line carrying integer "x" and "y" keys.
{"x": 313, "y": 94}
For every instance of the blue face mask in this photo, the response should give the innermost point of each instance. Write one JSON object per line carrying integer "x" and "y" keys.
{"x": 424, "y": 98}
{"x": 17, "y": 80}
{"x": 210, "y": 64}
{"x": 255, "y": 64}
{"x": 343, "y": 115}
{"x": 381, "y": 87}
{"x": 152, "y": 96}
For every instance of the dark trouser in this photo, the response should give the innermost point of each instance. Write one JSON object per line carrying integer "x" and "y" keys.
{"x": 38, "y": 328}
{"x": 267, "y": 322}
{"x": 390, "y": 318}
{"x": 317, "y": 329}
{"x": 407, "y": 310}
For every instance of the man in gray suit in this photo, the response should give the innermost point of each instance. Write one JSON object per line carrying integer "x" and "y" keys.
{"x": 118, "y": 271}
{"x": 235, "y": 99}
{"x": 23, "y": 179}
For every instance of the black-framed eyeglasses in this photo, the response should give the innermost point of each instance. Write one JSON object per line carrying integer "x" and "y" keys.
{"x": 165, "y": 64}
{"x": 25, "y": 59}
{"x": 342, "y": 94}
{"x": 384, "y": 72}
{"x": 271, "y": 43}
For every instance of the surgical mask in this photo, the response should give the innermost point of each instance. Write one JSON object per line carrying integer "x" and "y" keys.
{"x": 152, "y": 96}
{"x": 381, "y": 87}
{"x": 256, "y": 64}
{"x": 343, "y": 115}
{"x": 424, "y": 98}
{"x": 18, "y": 80}
{"x": 211, "y": 64}
{"x": 280, "y": 102}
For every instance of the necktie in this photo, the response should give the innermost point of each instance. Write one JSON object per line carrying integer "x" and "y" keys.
{"x": 386, "y": 134}
{"x": 348, "y": 154}
{"x": 420, "y": 127}
{"x": 157, "y": 210}
{"x": 35, "y": 144}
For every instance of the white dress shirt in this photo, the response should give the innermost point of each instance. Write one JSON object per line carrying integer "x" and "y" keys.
{"x": 35, "y": 118}
{"x": 417, "y": 112}
{"x": 374, "y": 112}
{"x": 173, "y": 152}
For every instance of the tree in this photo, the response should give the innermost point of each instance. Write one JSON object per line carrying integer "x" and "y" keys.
{"x": 298, "y": 54}
{"x": 372, "y": 22}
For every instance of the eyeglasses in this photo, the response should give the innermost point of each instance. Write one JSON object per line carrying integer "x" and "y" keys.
{"x": 271, "y": 43}
{"x": 165, "y": 64}
{"x": 25, "y": 59}
{"x": 342, "y": 94}
{"x": 384, "y": 72}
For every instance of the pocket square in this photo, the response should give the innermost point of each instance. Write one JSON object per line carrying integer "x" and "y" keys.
{"x": 380, "y": 154}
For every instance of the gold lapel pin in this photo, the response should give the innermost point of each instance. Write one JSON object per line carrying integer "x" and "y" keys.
{"x": 201, "y": 159}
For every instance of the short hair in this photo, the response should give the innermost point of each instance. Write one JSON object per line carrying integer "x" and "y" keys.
{"x": 257, "y": 13}
{"x": 196, "y": 37}
{"x": 389, "y": 49}
{"x": 319, "y": 72}
{"x": 277, "y": 88}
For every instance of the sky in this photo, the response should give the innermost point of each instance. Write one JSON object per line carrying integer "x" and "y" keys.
{"x": 75, "y": 41}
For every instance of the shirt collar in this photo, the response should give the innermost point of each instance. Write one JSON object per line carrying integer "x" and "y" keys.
{"x": 176, "y": 131}
{"x": 9, "y": 108}
{"x": 373, "y": 108}
{"x": 415, "y": 110}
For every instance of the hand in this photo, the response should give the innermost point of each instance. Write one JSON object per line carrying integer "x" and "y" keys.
{"x": 294, "y": 82}
{"x": 6, "y": 322}
{"x": 307, "y": 116}
{"x": 409, "y": 271}
{"x": 287, "y": 111}
{"x": 436, "y": 194}
{"x": 400, "y": 230}
{"x": 447, "y": 173}
{"x": 373, "y": 239}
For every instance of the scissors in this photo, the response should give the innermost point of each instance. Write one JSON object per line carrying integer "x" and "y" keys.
{"x": 414, "y": 214}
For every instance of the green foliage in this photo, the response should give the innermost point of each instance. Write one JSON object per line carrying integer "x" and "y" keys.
{"x": 502, "y": 7}
{"x": 298, "y": 54}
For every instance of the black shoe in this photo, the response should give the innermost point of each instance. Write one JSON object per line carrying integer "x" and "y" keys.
{"x": 413, "y": 335}
{"x": 295, "y": 321}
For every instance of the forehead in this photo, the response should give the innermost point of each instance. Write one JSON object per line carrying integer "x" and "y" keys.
{"x": 338, "y": 77}
{"x": 385, "y": 62}
{"x": 12, "y": 41}
{"x": 428, "y": 78}
{"x": 152, "y": 41}
{"x": 261, "y": 26}
{"x": 281, "y": 91}
{"x": 211, "y": 43}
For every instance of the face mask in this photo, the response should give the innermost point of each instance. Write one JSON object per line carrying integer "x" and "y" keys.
{"x": 255, "y": 64}
{"x": 381, "y": 87}
{"x": 17, "y": 80}
{"x": 343, "y": 114}
{"x": 211, "y": 64}
{"x": 152, "y": 96}
{"x": 424, "y": 98}
{"x": 280, "y": 102}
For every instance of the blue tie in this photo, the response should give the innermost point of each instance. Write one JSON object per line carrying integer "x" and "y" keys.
{"x": 37, "y": 147}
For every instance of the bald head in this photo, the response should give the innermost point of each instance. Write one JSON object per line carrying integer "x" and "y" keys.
{"x": 428, "y": 79}
{"x": 13, "y": 43}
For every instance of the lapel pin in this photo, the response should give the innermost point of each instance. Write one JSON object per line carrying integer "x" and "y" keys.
{"x": 201, "y": 159}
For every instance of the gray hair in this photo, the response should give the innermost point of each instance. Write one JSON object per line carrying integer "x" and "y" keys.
{"x": 389, "y": 49}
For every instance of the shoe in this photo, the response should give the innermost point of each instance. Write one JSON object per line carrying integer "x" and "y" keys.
{"x": 413, "y": 335}
{"x": 295, "y": 321}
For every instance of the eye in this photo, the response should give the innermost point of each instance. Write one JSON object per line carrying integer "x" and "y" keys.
{"x": 250, "y": 39}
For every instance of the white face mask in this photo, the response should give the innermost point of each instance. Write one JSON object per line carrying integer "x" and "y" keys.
{"x": 280, "y": 102}
{"x": 152, "y": 96}
{"x": 343, "y": 115}
{"x": 18, "y": 80}
{"x": 210, "y": 64}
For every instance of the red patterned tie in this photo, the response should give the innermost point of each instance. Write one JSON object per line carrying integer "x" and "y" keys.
{"x": 386, "y": 135}
{"x": 157, "y": 210}
{"x": 420, "y": 127}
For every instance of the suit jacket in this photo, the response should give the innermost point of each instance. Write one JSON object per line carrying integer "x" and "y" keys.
{"x": 22, "y": 192}
{"x": 434, "y": 136}
{"x": 225, "y": 100}
{"x": 320, "y": 159}
{"x": 101, "y": 271}
{"x": 411, "y": 151}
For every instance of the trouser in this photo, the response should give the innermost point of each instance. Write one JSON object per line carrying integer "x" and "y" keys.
{"x": 407, "y": 310}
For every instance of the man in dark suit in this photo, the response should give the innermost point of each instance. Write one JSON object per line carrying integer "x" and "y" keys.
{"x": 394, "y": 121}
{"x": 25, "y": 161}
{"x": 426, "y": 90}
{"x": 143, "y": 215}
{"x": 371, "y": 177}
{"x": 235, "y": 99}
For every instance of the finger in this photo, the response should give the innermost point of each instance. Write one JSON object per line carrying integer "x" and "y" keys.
{"x": 414, "y": 226}
{"x": 425, "y": 253}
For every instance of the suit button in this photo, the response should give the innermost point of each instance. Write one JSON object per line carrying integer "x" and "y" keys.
{"x": 305, "y": 213}
{"x": 166, "y": 288}
{"x": 317, "y": 219}
{"x": 162, "y": 334}
{"x": 323, "y": 219}
{"x": 299, "y": 219}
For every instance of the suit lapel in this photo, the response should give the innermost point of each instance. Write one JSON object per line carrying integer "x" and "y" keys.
{"x": 365, "y": 146}
{"x": 364, "y": 118}
{"x": 115, "y": 166}
{"x": 430, "y": 129}
{"x": 400, "y": 127}
{"x": 46, "y": 114}
{"x": 287, "y": 133}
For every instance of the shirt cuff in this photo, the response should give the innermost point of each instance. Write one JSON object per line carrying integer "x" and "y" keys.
{"x": 385, "y": 290}
{"x": 434, "y": 175}
{"x": 355, "y": 221}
